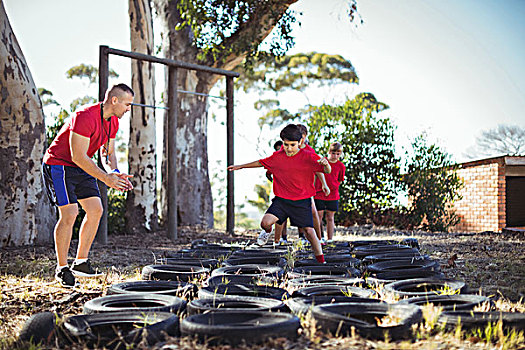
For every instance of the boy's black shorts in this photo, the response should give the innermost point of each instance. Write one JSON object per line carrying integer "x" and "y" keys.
{"x": 321, "y": 204}
{"x": 299, "y": 211}
{"x": 65, "y": 184}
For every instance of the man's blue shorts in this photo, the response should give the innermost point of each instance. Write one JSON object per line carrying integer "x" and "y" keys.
{"x": 66, "y": 184}
{"x": 321, "y": 204}
{"x": 299, "y": 212}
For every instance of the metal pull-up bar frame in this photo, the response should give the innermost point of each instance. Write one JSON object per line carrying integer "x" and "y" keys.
{"x": 171, "y": 149}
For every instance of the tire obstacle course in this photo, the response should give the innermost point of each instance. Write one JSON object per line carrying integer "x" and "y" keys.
{"x": 234, "y": 294}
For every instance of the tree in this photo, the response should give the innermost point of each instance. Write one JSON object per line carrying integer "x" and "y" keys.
{"x": 141, "y": 202}
{"x": 433, "y": 185}
{"x": 502, "y": 140}
{"x": 220, "y": 34}
{"x": 27, "y": 216}
{"x": 372, "y": 169}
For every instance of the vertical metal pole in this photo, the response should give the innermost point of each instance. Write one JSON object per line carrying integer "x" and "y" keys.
{"x": 103, "y": 75}
{"x": 172, "y": 152}
{"x": 230, "y": 202}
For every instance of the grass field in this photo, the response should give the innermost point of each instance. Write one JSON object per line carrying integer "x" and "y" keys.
{"x": 491, "y": 264}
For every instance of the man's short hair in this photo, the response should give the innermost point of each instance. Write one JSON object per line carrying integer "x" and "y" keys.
{"x": 303, "y": 129}
{"x": 119, "y": 90}
{"x": 291, "y": 133}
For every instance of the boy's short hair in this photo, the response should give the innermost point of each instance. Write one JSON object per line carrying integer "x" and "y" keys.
{"x": 291, "y": 133}
{"x": 336, "y": 146}
{"x": 303, "y": 129}
{"x": 277, "y": 145}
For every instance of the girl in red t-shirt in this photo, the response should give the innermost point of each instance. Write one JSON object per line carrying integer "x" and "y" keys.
{"x": 329, "y": 205}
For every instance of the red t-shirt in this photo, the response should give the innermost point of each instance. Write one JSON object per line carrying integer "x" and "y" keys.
{"x": 333, "y": 180}
{"x": 86, "y": 122}
{"x": 293, "y": 177}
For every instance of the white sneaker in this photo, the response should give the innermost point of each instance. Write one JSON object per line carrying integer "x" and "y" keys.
{"x": 283, "y": 242}
{"x": 329, "y": 241}
{"x": 263, "y": 237}
{"x": 322, "y": 241}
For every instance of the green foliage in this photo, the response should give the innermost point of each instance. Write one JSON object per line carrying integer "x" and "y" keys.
{"x": 53, "y": 129}
{"x": 263, "y": 196}
{"x": 223, "y": 28}
{"x": 117, "y": 211}
{"x": 87, "y": 71}
{"x": 81, "y": 101}
{"x": 46, "y": 97}
{"x": 433, "y": 185}
{"x": 372, "y": 169}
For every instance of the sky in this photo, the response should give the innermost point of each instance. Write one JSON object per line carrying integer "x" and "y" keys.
{"x": 450, "y": 68}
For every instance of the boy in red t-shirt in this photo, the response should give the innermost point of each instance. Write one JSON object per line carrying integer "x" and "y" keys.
{"x": 293, "y": 185}
{"x": 329, "y": 204}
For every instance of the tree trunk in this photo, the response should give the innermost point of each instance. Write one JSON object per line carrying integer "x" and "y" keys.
{"x": 27, "y": 216}
{"x": 195, "y": 204}
{"x": 141, "y": 204}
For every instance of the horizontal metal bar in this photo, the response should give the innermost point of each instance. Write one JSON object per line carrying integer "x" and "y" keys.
{"x": 200, "y": 94}
{"x": 150, "y": 106}
{"x": 171, "y": 63}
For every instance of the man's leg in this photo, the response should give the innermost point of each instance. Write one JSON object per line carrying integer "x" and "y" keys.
{"x": 63, "y": 231}
{"x": 93, "y": 208}
{"x": 314, "y": 241}
{"x": 330, "y": 224}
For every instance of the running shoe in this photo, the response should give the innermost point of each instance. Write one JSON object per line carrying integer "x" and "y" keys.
{"x": 84, "y": 270}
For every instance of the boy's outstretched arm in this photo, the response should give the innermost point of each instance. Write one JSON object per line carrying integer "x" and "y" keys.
{"x": 324, "y": 185}
{"x": 255, "y": 164}
{"x": 326, "y": 164}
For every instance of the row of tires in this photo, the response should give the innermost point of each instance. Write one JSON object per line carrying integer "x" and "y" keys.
{"x": 233, "y": 306}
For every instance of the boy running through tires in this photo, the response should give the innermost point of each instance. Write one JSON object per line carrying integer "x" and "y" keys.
{"x": 293, "y": 185}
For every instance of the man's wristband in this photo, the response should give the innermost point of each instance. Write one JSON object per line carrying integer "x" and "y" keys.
{"x": 115, "y": 171}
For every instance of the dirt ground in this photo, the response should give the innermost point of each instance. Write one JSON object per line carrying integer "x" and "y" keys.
{"x": 492, "y": 264}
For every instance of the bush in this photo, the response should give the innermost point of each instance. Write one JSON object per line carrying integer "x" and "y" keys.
{"x": 372, "y": 175}
{"x": 433, "y": 185}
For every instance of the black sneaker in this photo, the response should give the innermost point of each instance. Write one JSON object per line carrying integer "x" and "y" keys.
{"x": 84, "y": 270}
{"x": 65, "y": 277}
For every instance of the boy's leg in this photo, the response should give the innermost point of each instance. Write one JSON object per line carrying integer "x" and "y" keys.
{"x": 312, "y": 238}
{"x": 285, "y": 230}
{"x": 267, "y": 221}
{"x": 278, "y": 232}
{"x": 317, "y": 224}
{"x": 330, "y": 224}
{"x": 320, "y": 214}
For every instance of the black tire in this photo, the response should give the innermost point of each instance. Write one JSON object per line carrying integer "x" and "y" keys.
{"x": 40, "y": 328}
{"x": 183, "y": 273}
{"x": 254, "y": 271}
{"x": 333, "y": 260}
{"x": 371, "y": 242}
{"x": 139, "y": 302}
{"x": 235, "y": 304}
{"x": 239, "y": 279}
{"x": 474, "y": 320}
{"x": 238, "y": 327}
{"x": 411, "y": 242}
{"x": 391, "y": 276}
{"x": 403, "y": 255}
{"x": 204, "y": 262}
{"x": 303, "y": 282}
{"x": 260, "y": 252}
{"x": 323, "y": 270}
{"x": 340, "y": 318}
{"x": 397, "y": 265}
{"x": 338, "y": 290}
{"x": 258, "y": 260}
{"x": 198, "y": 242}
{"x": 449, "y": 302}
{"x": 419, "y": 287}
{"x": 119, "y": 330}
{"x": 250, "y": 290}
{"x": 175, "y": 288}
{"x": 301, "y": 305}
{"x": 200, "y": 253}
{"x": 363, "y": 251}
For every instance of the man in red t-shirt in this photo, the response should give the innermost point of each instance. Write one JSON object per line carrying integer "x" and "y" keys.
{"x": 329, "y": 204}
{"x": 293, "y": 185}
{"x": 70, "y": 176}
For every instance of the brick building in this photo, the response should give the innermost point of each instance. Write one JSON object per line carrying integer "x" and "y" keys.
{"x": 493, "y": 194}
